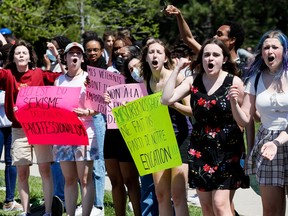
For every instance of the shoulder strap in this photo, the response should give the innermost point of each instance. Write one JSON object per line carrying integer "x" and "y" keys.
{"x": 256, "y": 82}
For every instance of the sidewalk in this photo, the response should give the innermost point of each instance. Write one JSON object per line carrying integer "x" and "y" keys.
{"x": 246, "y": 201}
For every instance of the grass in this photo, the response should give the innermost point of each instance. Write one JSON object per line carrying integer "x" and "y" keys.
{"x": 36, "y": 196}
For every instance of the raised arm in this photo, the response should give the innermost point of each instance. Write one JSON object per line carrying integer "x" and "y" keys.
{"x": 173, "y": 92}
{"x": 184, "y": 29}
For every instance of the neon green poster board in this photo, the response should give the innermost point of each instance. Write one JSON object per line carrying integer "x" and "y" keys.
{"x": 146, "y": 127}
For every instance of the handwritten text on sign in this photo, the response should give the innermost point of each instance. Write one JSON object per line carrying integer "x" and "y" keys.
{"x": 120, "y": 94}
{"x": 46, "y": 116}
{"x": 146, "y": 127}
{"x": 100, "y": 79}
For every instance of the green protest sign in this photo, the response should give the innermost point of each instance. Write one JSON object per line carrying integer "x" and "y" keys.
{"x": 146, "y": 127}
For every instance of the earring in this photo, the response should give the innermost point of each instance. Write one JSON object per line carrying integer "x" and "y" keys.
{"x": 224, "y": 63}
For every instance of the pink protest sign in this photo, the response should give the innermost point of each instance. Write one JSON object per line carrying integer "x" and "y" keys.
{"x": 100, "y": 79}
{"x": 46, "y": 116}
{"x": 122, "y": 94}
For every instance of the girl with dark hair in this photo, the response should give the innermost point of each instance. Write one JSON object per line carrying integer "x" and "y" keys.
{"x": 216, "y": 141}
{"x": 20, "y": 72}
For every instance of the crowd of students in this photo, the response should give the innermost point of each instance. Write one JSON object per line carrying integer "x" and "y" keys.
{"x": 207, "y": 87}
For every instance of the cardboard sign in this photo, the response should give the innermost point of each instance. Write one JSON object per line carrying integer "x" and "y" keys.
{"x": 46, "y": 116}
{"x": 100, "y": 79}
{"x": 121, "y": 94}
{"x": 146, "y": 127}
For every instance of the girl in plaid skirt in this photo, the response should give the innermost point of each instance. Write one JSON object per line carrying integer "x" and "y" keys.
{"x": 268, "y": 94}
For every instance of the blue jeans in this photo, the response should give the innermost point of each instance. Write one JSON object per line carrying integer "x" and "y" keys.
{"x": 58, "y": 181}
{"x": 10, "y": 171}
{"x": 99, "y": 164}
{"x": 149, "y": 203}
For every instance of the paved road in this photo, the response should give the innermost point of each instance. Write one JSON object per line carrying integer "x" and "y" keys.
{"x": 246, "y": 201}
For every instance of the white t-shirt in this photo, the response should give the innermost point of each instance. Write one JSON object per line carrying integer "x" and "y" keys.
{"x": 272, "y": 106}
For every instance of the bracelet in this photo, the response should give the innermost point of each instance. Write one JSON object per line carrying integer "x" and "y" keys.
{"x": 88, "y": 112}
{"x": 276, "y": 142}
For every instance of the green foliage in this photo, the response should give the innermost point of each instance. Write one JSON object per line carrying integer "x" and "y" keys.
{"x": 39, "y": 20}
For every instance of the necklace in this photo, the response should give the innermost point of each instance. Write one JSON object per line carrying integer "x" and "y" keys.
{"x": 74, "y": 75}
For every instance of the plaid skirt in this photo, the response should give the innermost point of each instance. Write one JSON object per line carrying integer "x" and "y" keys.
{"x": 275, "y": 172}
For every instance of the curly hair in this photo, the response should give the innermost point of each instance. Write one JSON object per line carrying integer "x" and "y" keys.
{"x": 237, "y": 31}
{"x": 10, "y": 61}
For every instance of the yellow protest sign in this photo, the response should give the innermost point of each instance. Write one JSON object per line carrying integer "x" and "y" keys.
{"x": 146, "y": 127}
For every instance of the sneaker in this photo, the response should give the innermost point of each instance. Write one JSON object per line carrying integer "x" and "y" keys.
{"x": 57, "y": 206}
{"x": 194, "y": 200}
{"x": 97, "y": 211}
{"x": 78, "y": 211}
{"x": 12, "y": 206}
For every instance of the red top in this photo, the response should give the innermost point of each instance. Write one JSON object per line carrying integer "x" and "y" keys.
{"x": 12, "y": 81}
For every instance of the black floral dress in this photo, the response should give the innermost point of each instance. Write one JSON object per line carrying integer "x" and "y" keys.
{"x": 217, "y": 142}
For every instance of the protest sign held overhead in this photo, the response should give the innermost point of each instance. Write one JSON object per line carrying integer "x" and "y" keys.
{"x": 146, "y": 127}
{"x": 47, "y": 117}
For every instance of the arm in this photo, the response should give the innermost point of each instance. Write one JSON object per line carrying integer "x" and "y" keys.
{"x": 56, "y": 54}
{"x": 269, "y": 149}
{"x": 84, "y": 112}
{"x": 244, "y": 111}
{"x": 184, "y": 108}
{"x": 171, "y": 94}
{"x": 184, "y": 29}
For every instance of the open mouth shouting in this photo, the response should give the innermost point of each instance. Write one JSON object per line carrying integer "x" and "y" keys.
{"x": 154, "y": 62}
{"x": 210, "y": 66}
{"x": 271, "y": 58}
{"x": 74, "y": 60}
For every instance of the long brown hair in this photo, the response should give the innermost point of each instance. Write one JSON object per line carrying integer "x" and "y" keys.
{"x": 229, "y": 66}
{"x": 145, "y": 68}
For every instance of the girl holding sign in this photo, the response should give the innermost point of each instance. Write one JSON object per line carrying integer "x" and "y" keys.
{"x": 156, "y": 68}
{"x": 20, "y": 72}
{"x": 217, "y": 141}
{"x": 77, "y": 161}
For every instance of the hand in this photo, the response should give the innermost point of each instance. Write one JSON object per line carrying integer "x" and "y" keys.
{"x": 53, "y": 49}
{"x": 233, "y": 94}
{"x": 171, "y": 10}
{"x": 47, "y": 62}
{"x": 182, "y": 63}
{"x": 107, "y": 98}
{"x": 269, "y": 150}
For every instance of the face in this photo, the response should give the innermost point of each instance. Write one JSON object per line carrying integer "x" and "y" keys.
{"x": 212, "y": 58}
{"x": 222, "y": 34}
{"x": 272, "y": 52}
{"x": 124, "y": 52}
{"x": 117, "y": 45}
{"x": 133, "y": 63}
{"x": 93, "y": 51}
{"x": 109, "y": 41}
{"x": 74, "y": 58}
{"x": 156, "y": 56}
{"x": 21, "y": 56}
